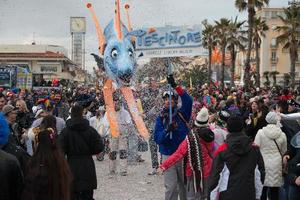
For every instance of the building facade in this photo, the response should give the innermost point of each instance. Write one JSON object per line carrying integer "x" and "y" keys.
{"x": 272, "y": 55}
{"x": 45, "y": 62}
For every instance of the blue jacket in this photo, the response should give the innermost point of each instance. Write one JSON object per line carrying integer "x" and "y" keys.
{"x": 168, "y": 145}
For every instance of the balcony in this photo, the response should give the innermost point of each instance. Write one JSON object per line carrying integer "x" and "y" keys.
{"x": 273, "y": 46}
{"x": 274, "y": 60}
{"x": 252, "y": 60}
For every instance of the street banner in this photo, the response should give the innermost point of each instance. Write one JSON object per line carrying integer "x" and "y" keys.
{"x": 169, "y": 41}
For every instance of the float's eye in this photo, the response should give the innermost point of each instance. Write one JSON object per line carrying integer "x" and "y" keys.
{"x": 130, "y": 52}
{"x": 114, "y": 53}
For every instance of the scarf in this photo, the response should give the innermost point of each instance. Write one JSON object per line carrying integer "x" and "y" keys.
{"x": 195, "y": 158}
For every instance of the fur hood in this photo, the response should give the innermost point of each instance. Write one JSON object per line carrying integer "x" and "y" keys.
{"x": 272, "y": 131}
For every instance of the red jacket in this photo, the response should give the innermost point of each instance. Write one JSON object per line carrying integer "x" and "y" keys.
{"x": 182, "y": 151}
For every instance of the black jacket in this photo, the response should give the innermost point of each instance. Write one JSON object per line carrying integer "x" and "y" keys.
{"x": 293, "y": 164}
{"x": 290, "y": 128}
{"x": 80, "y": 142}
{"x": 238, "y": 170}
{"x": 11, "y": 177}
{"x": 12, "y": 148}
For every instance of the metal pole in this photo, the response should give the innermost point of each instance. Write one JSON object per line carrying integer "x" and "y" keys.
{"x": 170, "y": 96}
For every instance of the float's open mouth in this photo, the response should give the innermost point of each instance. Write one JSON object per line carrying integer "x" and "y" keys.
{"x": 125, "y": 79}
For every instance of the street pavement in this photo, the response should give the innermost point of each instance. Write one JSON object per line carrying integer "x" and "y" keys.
{"x": 137, "y": 185}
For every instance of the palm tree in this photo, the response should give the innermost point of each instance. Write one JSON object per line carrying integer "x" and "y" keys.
{"x": 236, "y": 40}
{"x": 196, "y": 73}
{"x": 274, "y": 74}
{"x": 290, "y": 35}
{"x": 209, "y": 43}
{"x": 259, "y": 28}
{"x": 250, "y": 6}
{"x": 266, "y": 75}
{"x": 222, "y": 32}
{"x": 286, "y": 79}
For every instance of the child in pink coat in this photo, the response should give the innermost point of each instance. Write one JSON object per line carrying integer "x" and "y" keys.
{"x": 196, "y": 150}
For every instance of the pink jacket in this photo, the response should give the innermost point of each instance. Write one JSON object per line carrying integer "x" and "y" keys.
{"x": 182, "y": 151}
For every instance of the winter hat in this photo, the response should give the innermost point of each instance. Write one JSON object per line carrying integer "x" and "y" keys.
{"x": 7, "y": 109}
{"x": 292, "y": 102}
{"x": 206, "y": 134}
{"x": 235, "y": 124}
{"x": 224, "y": 115}
{"x": 272, "y": 118}
{"x": 202, "y": 117}
{"x": 4, "y": 130}
{"x": 34, "y": 109}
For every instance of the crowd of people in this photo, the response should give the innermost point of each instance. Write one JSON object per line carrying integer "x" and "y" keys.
{"x": 217, "y": 144}
{"x": 238, "y": 145}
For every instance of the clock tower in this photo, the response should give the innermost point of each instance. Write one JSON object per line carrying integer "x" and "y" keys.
{"x": 78, "y": 29}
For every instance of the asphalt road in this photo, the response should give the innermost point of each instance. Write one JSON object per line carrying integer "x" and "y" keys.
{"x": 137, "y": 185}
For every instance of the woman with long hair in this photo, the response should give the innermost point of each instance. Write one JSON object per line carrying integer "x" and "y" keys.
{"x": 48, "y": 122}
{"x": 256, "y": 120}
{"x": 23, "y": 121}
{"x": 48, "y": 175}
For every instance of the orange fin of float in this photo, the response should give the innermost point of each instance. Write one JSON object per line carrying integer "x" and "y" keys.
{"x": 129, "y": 21}
{"x": 117, "y": 22}
{"x": 110, "y": 108}
{"x": 141, "y": 127}
{"x": 151, "y": 30}
{"x": 101, "y": 37}
{"x": 128, "y": 17}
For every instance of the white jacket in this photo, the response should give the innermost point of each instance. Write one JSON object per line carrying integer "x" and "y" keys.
{"x": 124, "y": 122}
{"x": 272, "y": 158}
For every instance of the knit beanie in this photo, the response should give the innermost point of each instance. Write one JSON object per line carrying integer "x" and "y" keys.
{"x": 235, "y": 124}
{"x": 202, "y": 118}
{"x": 4, "y": 130}
{"x": 272, "y": 118}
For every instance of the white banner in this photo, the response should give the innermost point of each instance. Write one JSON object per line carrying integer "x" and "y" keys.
{"x": 169, "y": 41}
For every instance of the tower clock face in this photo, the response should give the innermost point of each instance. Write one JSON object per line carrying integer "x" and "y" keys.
{"x": 77, "y": 24}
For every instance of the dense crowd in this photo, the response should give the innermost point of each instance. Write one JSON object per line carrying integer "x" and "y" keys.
{"x": 219, "y": 143}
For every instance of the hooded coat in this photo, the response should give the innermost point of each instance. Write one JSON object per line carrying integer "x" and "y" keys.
{"x": 272, "y": 157}
{"x": 80, "y": 142}
{"x": 238, "y": 170}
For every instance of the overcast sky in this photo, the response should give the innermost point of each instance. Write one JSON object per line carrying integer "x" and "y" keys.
{"x": 49, "y": 19}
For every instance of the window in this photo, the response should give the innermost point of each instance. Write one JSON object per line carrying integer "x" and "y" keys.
{"x": 274, "y": 42}
{"x": 267, "y": 14}
{"x": 48, "y": 68}
{"x": 273, "y": 56}
{"x": 273, "y": 14}
{"x": 273, "y": 68}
